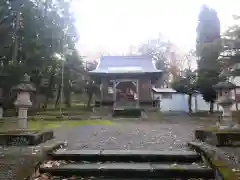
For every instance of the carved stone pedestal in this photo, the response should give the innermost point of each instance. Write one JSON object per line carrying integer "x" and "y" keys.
{"x": 24, "y": 138}
{"x": 22, "y": 118}
{"x": 227, "y": 122}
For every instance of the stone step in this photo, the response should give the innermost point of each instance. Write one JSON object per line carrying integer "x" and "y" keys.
{"x": 129, "y": 170}
{"x": 126, "y": 156}
{"x": 127, "y": 112}
{"x": 87, "y": 178}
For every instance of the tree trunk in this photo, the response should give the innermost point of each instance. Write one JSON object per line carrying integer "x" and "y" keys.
{"x": 196, "y": 103}
{"x": 211, "y": 107}
{"x": 235, "y": 97}
{"x": 190, "y": 103}
{"x": 89, "y": 100}
{"x": 58, "y": 96}
{"x": 46, "y": 101}
{"x": 67, "y": 94}
{"x": 16, "y": 43}
{"x": 49, "y": 88}
{"x": 68, "y": 99}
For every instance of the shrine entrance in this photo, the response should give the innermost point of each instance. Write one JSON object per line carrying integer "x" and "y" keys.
{"x": 121, "y": 78}
{"x": 126, "y": 93}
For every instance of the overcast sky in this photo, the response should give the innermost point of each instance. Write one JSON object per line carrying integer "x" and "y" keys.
{"x": 114, "y": 25}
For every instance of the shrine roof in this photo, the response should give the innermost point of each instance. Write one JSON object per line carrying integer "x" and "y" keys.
{"x": 125, "y": 65}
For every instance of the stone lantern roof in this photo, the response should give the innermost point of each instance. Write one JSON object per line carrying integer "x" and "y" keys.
{"x": 25, "y": 85}
{"x": 224, "y": 85}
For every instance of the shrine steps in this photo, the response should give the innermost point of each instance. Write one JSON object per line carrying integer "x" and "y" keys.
{"x": 126, "y": 156}
{"x": 127, "y": 112}
{"x": 129, "y": 170}
{"x": 110, "y": 103}
{"x": 126, "y": 164}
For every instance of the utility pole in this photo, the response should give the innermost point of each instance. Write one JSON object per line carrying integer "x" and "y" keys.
{"x": 64, "y": 53}
{"x": 62, "y": 77}
{"x": 62, "y": 88}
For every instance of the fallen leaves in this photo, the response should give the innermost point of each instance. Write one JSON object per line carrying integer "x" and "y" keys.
{"x": 47, "y": 176}
{"x": 50, "y": 164}
{"x": 235, "y": 170}
{"x": 174, "y": 165}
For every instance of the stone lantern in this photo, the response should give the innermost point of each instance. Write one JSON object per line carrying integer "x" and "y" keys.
{"x": 225, "y": 100}
{"x": 23, "y": 101}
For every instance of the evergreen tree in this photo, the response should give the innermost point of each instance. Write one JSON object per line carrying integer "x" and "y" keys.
{"x": 230, "y": 55}
{"x": 35, "y": 37}
{"x": 208, "y": 49}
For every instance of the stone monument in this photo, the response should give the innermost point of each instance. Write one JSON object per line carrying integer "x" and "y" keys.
{"x": 225, "y": 100}
{"x": 23, "y": 102}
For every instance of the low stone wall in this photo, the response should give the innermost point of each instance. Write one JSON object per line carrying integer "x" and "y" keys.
{"x": 21, "y": 163}
{"x": 225, "y": 168}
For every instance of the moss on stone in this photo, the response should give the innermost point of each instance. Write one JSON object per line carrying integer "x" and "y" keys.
{"x": 179, "y": 168}
{"x": 218, "y": 163}
{"x": 223, "y": 131}
{"x": 214, "y": 130}
{"x": 225, "y": 171}
{"x": 221, "y": 166}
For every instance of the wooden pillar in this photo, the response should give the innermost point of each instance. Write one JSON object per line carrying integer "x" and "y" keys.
{"x": 101, "y": 99}
{"x": 236, "y": 100}
{"x": 150, "y": 87}
{"x": 137, "y": 89}
{"x": 152, "y": 97}
{"x": 114, "y": 92}
{"x": 104, "y": 89}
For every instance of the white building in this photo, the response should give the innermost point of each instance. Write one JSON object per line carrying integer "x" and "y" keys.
{"x": 172, "y": 101}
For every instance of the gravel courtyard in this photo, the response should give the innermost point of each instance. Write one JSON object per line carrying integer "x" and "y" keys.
{"x": 169, "y": 133}
{"x": 172, "y": 132}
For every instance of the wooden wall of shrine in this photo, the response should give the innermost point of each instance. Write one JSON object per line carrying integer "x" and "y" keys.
{"x": 145, "y": 89}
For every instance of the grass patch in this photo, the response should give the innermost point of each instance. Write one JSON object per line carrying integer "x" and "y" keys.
{"x": 38, "y": 125}
{"x": 65, "y": 113}
{"x": 67, "y": 123}
{"x": 79, "y": 107}
{"x": 90, "y": 123}
{"x": 206, "y": 114}
{"x": 46, "y": 125}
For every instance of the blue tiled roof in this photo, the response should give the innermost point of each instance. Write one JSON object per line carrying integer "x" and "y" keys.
{"x": 125, "y": 64}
